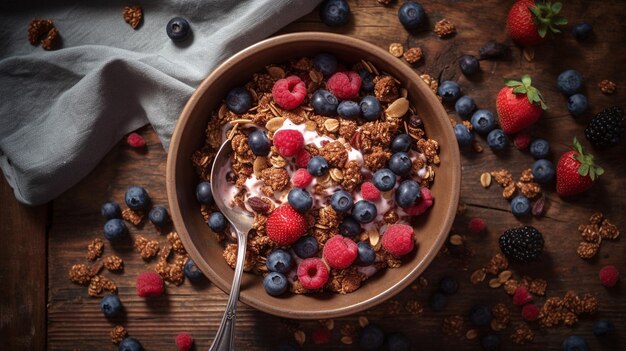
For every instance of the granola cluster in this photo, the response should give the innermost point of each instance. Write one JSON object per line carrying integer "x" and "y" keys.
{"x": 598, "y": 228}
{"x": 43, "y": 31}
{"x": 525, "y": 186}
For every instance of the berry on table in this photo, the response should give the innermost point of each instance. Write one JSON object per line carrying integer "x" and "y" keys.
{"x": 539, "y": 148}
{"x": 349, "y": 109}
{"x": 369, "y": 191}
{"x": 321, "y": 335}
{"x": 324, "y": 102}
{"x": 449, "y": 91}
{"x": 370, "y": 108}
{"x": 411, "y": 15}
{"x": 339, "y": 252}
{"x": 325, "y": 63}
{"x": 483, "y": 121}
{"x": 521, "y": 244}
{"x": 149, "y": 284}
{"x": 463, "y": 135}
{"x": 135, "y": 140}
{"x": 192, "y": 272}
{"x": 577, "y": 105}
{"x": 407, "y": 193}
{"x": 384, "y": 179}
{"x": 371, "y": 338}
{"x": 521, "y": 141}
{"x": 609, "y": 275}
{"x": 491, "y": 342}
{"x": 543, "y": 171}
{"x": 285, "y": 225}
{"x": 178, "y": 29}
{"x": 476, "y": 225}
{"x": 364, "y": 211}
{"x": 301, "y": 178}
{"x": 317, "y": 166}
{"x": 111, "y": 306}
{"x": 217, "y": 222}
{"x": 366, "y": 254}
{"x": 398, "y": 342}
{"x": 110, "y": 210}
{"x": 496, "y": 140}
{"x": 306, "y": 247}
{"x": 603, "y": 327}
{"x": 238, "y": 100}
{"x": 480, "y": 315}
{"x": 576, "y": 171}
{"x": 570, "y": 82}
{"x": 158, "y": 216}
{"x": 575, "y": 343}
{"x": 349, "y": 227}
{"x": 335, "y": 13}
{"x": 289, "y": 92}
{"x": 520, "y": 206}
{"x": 606, "y": 128}
{"x": 530, "y": 312}
{"x": 275, "y": 283}
{"x": 528, "y": 21}
{"x": 401, "y": 143}
{"x": 344, "y": 85}
{"x": 288, "y": 142}
{"x": 184, "y": 341}
{"x": 438, "y": 301}
{"x": 341, "y": 201}
{"x": 300, "y": 200}
{"x": 130, "y": 344}
{"x": 469, "y": 65}
{"x": 312, "y": 273}
{"x": 400, "y": 163}
{"x": 115, "y": 229}
{"x": 519, "y": 105}
{"x": 398, "y": 239}
{"x": 448, "y": 285}
{"x": 204, "y": 194}
{"x": 464, "y": 106}
{"x": 137, "y": 198}
{"x": 259, "y": 143}
{"x": 279, "y": 261}
{"x": 582, "y": 30}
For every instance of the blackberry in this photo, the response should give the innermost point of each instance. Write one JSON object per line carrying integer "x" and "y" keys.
{"x": 523, "y": 244}
{"x": 606, "y": 128}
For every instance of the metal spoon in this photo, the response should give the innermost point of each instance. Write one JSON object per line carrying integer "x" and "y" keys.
{"x": 242, "y": 222}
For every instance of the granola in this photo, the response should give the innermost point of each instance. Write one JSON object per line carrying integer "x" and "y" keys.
{"x": 94, "y": 249}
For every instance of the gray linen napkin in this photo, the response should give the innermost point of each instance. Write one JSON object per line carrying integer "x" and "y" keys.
{"x": 62, "y": 111}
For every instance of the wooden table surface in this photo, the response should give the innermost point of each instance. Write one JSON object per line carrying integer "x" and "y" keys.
{"x": 40, "y": 308}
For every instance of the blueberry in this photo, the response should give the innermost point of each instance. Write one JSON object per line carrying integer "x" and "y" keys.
{"x": 539, "y": 148}
{"x": 469, "y": 65}
{"x": 401, "y": 143}
{"x": 367, "y": 81}
{"x": 192, "y": 272}
{"x": 520, "y": 206}
{"x": 491, "y": 342}
{"x": 178, "y": 29}
{"x": 306, "y": 247}
{"x": 400, "y": 163}
{"x": 334, "y": 13}
{"x": 464, "y": 106}
{"x": 348, "y": 109}
{"x": 483, "y": 121}
{"x": 384, "y": 179}
{"x": 325, "y": 63}
{"x": 496, "y": 140}
{"x": 137, "y": 198}
{"x": 130, "y": 344}
{"x": 582, "y": 30}
{"x": 204, "y": 194}
{"x": 349, "y": 227}
{"x": 398, "y": 342}
{"x": 275, "y": 283}
{"x": 575, "y": 343}
{"x": 570, "y": 82}
{"x": 577, "y": 104}
{"x": 341, "y": 201}
{"x": 111, "y": 306}
{"x": 449, "y": 91}
{"x": 324, "y": 102}
{"x": 115, "y": 229}
{"x": 158, "y": 216}
{"x": 448, "y": 285}
{"x": 370, "y": 108}
{"x": 463, "y": 135}
{"x": 217, "y": 222}
{"x": 543, "y": 171}
{"x": 603, "y": 327}
{"x": 279, "y": 261}
{"x": 364, "y": 211}
{"x": 288, "y": 345}
{"x": 371, "y": 338}
{"x": 317, "y": 166}
{"x": 366, "y": 254}
{"x": 407, "y": 193}
{"x": 411, "y": 15}
{"x": 300, "y": 200}
{"x": 438, "y": 301}
{"x": 110, "y": 210}
{"x": 480, "y": 315}
{"x": 259, "y": 143}
{"x": 238, "y": 100}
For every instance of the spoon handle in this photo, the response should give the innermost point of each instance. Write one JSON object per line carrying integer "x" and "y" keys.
{"x": 225, "y": 338}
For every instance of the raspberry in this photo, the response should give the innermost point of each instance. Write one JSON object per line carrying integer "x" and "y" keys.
{"x": 289, "y": 92}
{"x": 423, "y": 205}
{"x": 149, "y": 284}
{"x": 312, "y": 273}
{"x": 521, "y": 296}
{"x": 398, "y": 239}
{"x": 285, "y": 225}
{"x": 521, "y": 141}
{"x": 302, "y": 158}
{"x": 476, "y": 225}
{"x": 288, "y": 142}
{"x": 344, "y": 85}
{"x": 609, "y": 275}
{"x": 184, "y": 341}
{"x": 369, "y": 191}
{"x": 339, "y": 252}
{"x": 321, "y": 335}
{"x": 301, "y": 178}
{"x": 135, "y": 140}
{"x": 530, "y": 312}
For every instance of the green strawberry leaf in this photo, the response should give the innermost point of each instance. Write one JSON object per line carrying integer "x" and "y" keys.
{"x": 543, "y": 30}
{"x": 583, "y": 170}
{"x": 556, "y": 7}
{"x": 512, "y": 83}
{"x": 577, "y": 146}
{"x": 559, "y": 20}
{"x": 526, "y": 80}
{"x": 592, "y": 173}
{"x": 519, "y": 90}
{"x": 599, "y": 170}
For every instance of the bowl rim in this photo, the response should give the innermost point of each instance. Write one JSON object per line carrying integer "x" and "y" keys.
{"x": 172, "y": 157}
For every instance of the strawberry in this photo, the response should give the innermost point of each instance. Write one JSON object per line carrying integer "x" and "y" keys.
{"x": 519, "y": 105}
{"x": 528, "y": 22}
{"x": 285, "y": 225}
{"x": 576, "y": 171}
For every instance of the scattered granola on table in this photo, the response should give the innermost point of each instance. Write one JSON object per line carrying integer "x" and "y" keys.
{"x": 132, "y": 15}
{"x": 444, "y": 28}
{"x": 94, "y": 249}
{"x": 413, "y": 55}
{"x": 607, "y": 87}
{"x": 396, "y": 49}
{"x": 43, "y": 31}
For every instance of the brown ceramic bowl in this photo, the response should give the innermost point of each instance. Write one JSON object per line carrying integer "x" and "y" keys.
{"x": 188, "y": 136}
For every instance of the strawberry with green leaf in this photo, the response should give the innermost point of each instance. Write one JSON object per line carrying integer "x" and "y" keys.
{"x": 576, "y": 171}
{"x": 519, "y": 105}
{"x": 528, "y": 22}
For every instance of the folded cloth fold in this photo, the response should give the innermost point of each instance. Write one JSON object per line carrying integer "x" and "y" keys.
{"x": 61, "y": 111}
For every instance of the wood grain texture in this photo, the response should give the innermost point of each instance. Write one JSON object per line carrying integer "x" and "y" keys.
{"x": 74, "y": 319}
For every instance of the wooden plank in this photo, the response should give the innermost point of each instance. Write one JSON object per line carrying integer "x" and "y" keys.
{"x": 22, "y": 273}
